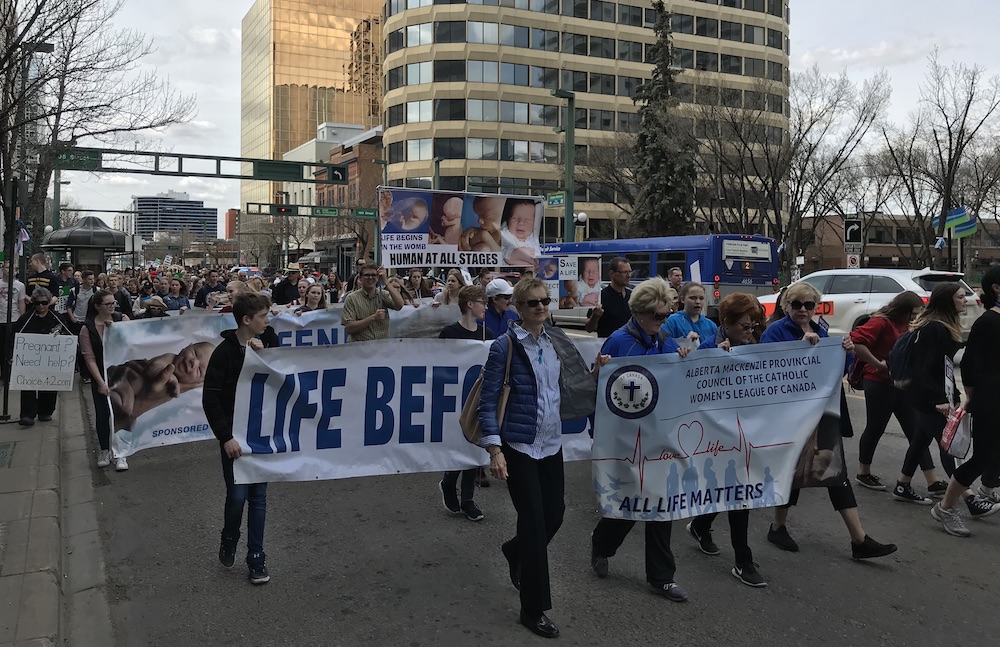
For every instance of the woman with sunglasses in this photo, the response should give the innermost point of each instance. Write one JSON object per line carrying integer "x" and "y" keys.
{"x": 741, "y": 319}
{"x": 650, "y": 305}
{"x": 101, "y": 314}
{"x": 549, "y": 382}
{"x": 872, "y": 342}
{"x": 799, "y": 304}
{"x": 39, "y": 319}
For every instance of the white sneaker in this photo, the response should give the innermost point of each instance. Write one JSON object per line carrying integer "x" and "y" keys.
{"x": 104, "y": 458}
{"x": 121, "y": 464}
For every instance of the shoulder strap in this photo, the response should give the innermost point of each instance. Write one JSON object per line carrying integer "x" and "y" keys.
{"x": 510, "y": 352}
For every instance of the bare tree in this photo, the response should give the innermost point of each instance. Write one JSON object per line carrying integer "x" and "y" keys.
{"x": 300, "y": 230}
{"x": 609, "y": 171}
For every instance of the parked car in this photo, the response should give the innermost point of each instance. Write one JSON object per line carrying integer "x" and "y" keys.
{"x": 850, "y": 295}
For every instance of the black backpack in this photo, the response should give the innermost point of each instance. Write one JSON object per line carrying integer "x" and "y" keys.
{"x": 900, "y": 360}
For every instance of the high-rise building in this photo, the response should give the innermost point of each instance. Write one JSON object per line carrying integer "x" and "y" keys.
{"x": 170, "y": 213}
{"x": 469, "y": 86}
{"x": 305, "y": 62}
{"x": 232, "y": 222}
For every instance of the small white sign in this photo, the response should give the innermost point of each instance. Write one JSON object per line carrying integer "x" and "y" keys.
{"x": 853, "y": 261}
{"x": 43, "y": 362}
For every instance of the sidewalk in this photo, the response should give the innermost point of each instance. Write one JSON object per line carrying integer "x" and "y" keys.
{"x": 51, "y": 566}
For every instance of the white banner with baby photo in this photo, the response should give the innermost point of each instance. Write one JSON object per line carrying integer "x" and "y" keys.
{"x": 156, "y": 367}
{"x": 714, "y": 431}
{"x": 422, "y": 228}
{"x": 373, "y": 408}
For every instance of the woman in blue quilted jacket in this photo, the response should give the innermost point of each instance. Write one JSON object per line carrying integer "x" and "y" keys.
{"x": 549, "y": 381}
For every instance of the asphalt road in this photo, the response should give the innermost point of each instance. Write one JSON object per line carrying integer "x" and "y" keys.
{"x": 377, "y": 561}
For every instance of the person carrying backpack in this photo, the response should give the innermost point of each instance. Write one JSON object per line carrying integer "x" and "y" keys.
{"x": 931, "y": 392}
{"x": 873, "y": 342}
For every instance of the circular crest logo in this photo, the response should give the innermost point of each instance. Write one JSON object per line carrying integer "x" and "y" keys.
{"x": 631, "y": 392}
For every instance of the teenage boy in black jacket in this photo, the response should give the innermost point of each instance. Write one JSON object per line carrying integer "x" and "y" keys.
{"x": 219, "y": 400}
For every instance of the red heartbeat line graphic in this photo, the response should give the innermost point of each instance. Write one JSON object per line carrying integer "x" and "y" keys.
{"x": 713, "y": 448}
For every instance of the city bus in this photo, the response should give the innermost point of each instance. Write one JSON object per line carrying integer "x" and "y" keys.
{"x": 724, "y": 263}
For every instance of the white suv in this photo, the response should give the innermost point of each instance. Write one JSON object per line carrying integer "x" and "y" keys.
{"x": 849, "y": 295}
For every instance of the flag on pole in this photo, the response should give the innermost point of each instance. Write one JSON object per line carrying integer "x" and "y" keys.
{"x": 965, "y": 229}
{"x": 955, "y": 217}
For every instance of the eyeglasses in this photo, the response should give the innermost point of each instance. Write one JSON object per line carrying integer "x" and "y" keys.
{"x": 111, "y": 303}
{"x": 39, "y": 303}
{"x": 659, "y": 316}
{"x": 534, "y": 303}
{"x": 369, "y": 276}
{"x": 747, "y": 327}
{"x": 808, "y": 305}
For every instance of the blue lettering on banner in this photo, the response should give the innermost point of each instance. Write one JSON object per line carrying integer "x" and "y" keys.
{"x": 304, "y": 337}
{"x": 380, "y": 389}
{"x": 284, "y": 394}
{"x": 327, "y": 438}
{"x": 441, "y": 403}
{"x": 190, "y": 429}
{"x": 410, "y": 432}
{"x": 302, "y": 409}
{"x": 259, "y": 444}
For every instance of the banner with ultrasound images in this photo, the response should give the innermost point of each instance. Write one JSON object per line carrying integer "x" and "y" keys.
{"x": 715, "y": 431}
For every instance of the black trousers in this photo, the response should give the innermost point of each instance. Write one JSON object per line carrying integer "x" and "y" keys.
{"x": 468, "y": 489}
{"x": 841, "y": 496}
{"x": 102, "y": 412}
{"x": 739, "y": 525}
{"x": 985, "y": 452}
{"x": 37, "y": 403}
{"x": 537, "y": 491}
{"x": 882, "y": 401}
{"x": 660, "y": 566}
{"x": 927, "y": 426}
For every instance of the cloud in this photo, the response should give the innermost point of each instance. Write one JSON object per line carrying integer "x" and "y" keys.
{"x": 884, "y": 54}
{"x": 124, "y": 180}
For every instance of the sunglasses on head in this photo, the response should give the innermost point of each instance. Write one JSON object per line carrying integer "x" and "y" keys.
{"x": 534, "y": 303}
{"x": 808, "y": 305}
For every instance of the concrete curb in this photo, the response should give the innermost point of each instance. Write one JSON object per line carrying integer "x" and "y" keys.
{"x": 86, "y": 614}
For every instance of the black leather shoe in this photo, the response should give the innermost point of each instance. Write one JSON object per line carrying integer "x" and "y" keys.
{"x": 540, "y": 625}
{"x": 513, "y": 564}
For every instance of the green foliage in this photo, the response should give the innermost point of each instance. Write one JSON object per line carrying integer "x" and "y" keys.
{"x": 667, "y": 168}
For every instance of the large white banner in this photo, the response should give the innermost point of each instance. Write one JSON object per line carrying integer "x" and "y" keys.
{"x": 678, "y": 437}
{"x": 156, "y": 367}
{"x": 383, "y": 407}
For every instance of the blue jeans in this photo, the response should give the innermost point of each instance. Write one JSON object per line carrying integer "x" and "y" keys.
{"x": 236, "y": 497}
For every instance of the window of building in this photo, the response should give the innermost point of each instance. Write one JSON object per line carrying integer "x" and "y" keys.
{"x": 418, "y": 111}
{"x": 754, "y": 5}
{"x": 879, "y": 235}
{"x": 684, "y": 58}
{"x": 449, "y": 109}
{"x": 575, "y": 81}
{"x": 449, "y": 148}
{"x": 603, "y": 11}
{"x": 416, "y": 4}
{"x": 513, "y": 112}
{"x": 542, "y": 115}
{"x": 515, "y": 36}
{"x": 417, "y": 73}
{"x": 707, "y": 61}
{"x": 484, "y": 184}
{"x": 774, "y": 7}
{"x": 395, "y": 6}
{"x": 684, "y": 92}
{"x": 574, "y": 8}
{"x": 395, "y": 116}
{"x": 483, "y": 32}
{"x": 630, "y": 51}
{"x": 682, "y": 23}
{"x": 628, "y": 122}
{"x": 417, "y": 35}
{"x": 753, "y": 67}
{"x": 731, "y": 31}
{"x": 513, "y": 150}
{"x": 445, "y": 71}
{"x": 483, "y": 110}
{"x": 753, "y": 100}
{"x": 544, "y": 77}
{"x": 775, "y": 104}
{"x": 514, "y": 74}
{"x": 419, "y": 149}
{"x": 516, "y": 4}
{"x": 418, "y": 183}
{"x": 649, "y": 17}
{"x": 491, "y": 3}
{"x": 708, "y": 95}
{"x": 602, "y": 119}
{"x": 629, "y": 15}
{"x": 731, "y": 64}
{"x": 775, "y": 136}
{"x": 483, "y": 72}
{"x": 574, "y": 43}
{"x": 396, "y": 153}
{"x": 731, "y": 97}
{"x": 545, "y": 6}
{"x": 602, "y": 83}
{"x": 396, "y": 41}
{"x": 708, "y": 27}
{"x": 775, "y": 39}
{"x": 449, "y": 31}
{"x": 627, "y": 85}
{"x": 545, "y": 39}
{"x": 753, "y": 34}
{"x": 481, "y": 149}
{"x": 395, "y": 78}
{"x": 775, "y": 71}
{"x": 602, "y": 47}
{"x": 738, "y": 4}
{"x": 579, "y": 118}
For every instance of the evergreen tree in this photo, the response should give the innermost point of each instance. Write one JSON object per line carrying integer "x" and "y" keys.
{"x": 666, "y": 168}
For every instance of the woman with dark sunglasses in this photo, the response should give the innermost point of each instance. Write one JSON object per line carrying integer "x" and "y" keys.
{"x": 651, "y": 303}
{"x": 741, "y": 319}
{"x": 39, "y": 319}
{"x": 549, "y": 382}
{"x": 799, "y": 303}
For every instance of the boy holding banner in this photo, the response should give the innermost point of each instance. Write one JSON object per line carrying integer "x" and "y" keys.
{"x": 219, "y": 401}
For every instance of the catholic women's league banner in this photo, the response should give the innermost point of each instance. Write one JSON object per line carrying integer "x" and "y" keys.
{"x": 715, "y": 431}
{"x": 381, "y": 407}
{"x": 156, "y": 367}
{"x": 425, "y": 228}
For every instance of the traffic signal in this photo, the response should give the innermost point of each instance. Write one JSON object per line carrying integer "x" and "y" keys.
{"x": 284, "y": 210}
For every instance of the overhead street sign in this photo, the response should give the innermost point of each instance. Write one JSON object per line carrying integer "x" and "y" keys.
{"x": 79, "y": 160}
{"x": 326, "y": 211}
{"x": 557, "y": 199}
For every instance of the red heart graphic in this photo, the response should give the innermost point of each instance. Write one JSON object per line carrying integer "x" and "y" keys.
{"x": 689, "y": 437}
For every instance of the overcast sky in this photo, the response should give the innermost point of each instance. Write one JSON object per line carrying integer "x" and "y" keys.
{"x": 198, "y": 49}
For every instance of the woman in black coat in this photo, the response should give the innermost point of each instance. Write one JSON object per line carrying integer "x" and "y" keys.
{"x": 39, "y": 319}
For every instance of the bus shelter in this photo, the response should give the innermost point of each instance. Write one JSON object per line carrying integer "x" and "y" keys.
{"x": 89, "y": 243}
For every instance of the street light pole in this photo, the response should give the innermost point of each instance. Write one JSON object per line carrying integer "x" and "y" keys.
{"x": 569, "y": 127}
{"x": 437, "y": 174}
